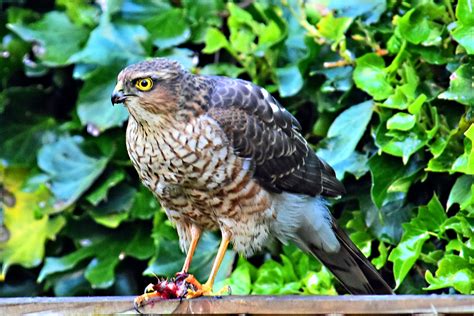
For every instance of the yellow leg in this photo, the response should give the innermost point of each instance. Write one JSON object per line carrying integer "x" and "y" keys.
{"x": 219, "y": 257}
{"x": 195, "y": 234}
{"x": 206, "y": 288}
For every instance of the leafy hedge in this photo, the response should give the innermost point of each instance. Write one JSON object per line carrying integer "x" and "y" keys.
{"x": 383, "y": 89}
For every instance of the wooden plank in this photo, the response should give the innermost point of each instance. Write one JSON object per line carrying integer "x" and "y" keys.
{"x": 396, "y": 304}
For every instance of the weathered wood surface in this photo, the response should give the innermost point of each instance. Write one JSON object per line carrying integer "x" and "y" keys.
{"x": 400, "y": 304}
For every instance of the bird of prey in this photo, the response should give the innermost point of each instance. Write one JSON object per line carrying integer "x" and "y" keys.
{"x": 223, "y": 154}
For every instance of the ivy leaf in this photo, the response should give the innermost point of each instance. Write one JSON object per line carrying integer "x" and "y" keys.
{"x": 93, "y": 106}
{"x": 243, "y": 29}
{"x": 390, "y": 176}
{"x": 317, "y": 283}
{"x": 23, "y": 132}
{"x": 462, "y": 225}
{"x": 370, "y": 10}
{"x": 100, "y": 193}
{"x": 288, "y": 270}
{"x": 415, "y": 106}
{"x": 144, "y": 205}
{"x": 405, "y": 143}
{"x": 168, "y": 29}
{"x": 71, "y": 171}
{"x": 114, "y": 210}
{"x": 269, "y": 279}
{"x": 416, "y": 27}
{"x": 465, "y": 12}
{"x": 356, "y": 164}
{"x": 401, "y": 121}
{"x": 460, "y": 85}
{"x": 57, "y": 37}
{"x": 417, "y": 232}
{"x": 290, "y": 81}
{"x": 344, "y": 135}
{"x": 333, "y": 28}
{"x": 240, "y": 281}
{"x": 465, "y": 162}
{"x": 114, "y": 44}
{"x": 80, "y": 12}
{"x": 463, "y": 35}
{"x": 381, "y": 260}
{"x": 25, "y": 244}
{"x": 104, "y": 248}
{"x": 202, "y": 15}
{"x": 445, "y": 150}
{"x": 338, "y": 79}
{"x": 453, "y": 271}
{"x": 386, "y": 222}
{"x": 360, "y": 236}
{"x": 370, "y": 76}
{"x": 139, "y": 11}
{"x": 215, "y": 41}
{"x": 462, "y": 193}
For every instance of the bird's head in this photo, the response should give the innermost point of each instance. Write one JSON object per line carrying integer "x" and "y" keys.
{"x": 149, "y": 87}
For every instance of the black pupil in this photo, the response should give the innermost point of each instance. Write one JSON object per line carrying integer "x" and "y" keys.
{"x": 144, "y": 83}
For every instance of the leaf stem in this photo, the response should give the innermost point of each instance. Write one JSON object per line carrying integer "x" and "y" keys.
{"x": 397, "y": 60}
{"x": 447, "y": 3}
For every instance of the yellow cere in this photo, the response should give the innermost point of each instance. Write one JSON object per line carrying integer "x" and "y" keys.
{"x": 144, "y": 84}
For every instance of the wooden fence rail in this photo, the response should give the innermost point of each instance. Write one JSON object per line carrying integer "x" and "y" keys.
{"x": 329, "y": 305}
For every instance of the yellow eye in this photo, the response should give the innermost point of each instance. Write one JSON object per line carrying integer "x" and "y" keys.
{"x": 144, "y": 84}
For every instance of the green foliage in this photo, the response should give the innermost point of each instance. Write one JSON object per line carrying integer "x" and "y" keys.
{"x": 383, "y": 90}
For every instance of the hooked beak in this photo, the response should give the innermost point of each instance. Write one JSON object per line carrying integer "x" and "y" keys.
{"x": 118, "y": 97}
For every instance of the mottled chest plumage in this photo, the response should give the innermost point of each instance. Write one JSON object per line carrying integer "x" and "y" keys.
{"x": 191, "y": 168}
{"x": 189, "y": 155}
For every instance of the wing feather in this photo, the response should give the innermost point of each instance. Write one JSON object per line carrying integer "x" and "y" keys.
{"x": 259, "y": 128}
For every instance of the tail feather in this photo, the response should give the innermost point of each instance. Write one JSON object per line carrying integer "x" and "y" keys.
{"x": 307, "y": 222}
{"x": 351, "y": 267}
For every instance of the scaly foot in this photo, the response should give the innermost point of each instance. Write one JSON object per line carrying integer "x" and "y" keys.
{"x": 197, "y": 289}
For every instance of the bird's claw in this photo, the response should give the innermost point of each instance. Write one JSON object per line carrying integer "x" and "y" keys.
{"x": 184, "y": 285}
{"x": 205, "y": 289}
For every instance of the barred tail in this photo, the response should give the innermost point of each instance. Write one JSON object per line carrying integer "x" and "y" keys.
{"x": 351, "y": 267}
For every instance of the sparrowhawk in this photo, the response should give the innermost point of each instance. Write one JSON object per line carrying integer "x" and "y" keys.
{"x": 223, "y": 154}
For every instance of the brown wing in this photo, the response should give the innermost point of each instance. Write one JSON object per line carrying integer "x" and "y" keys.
{"x": 262, "y": 130}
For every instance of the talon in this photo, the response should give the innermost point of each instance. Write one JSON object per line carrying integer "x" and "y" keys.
{"x": 139, "y": 301}
{"x": 150, "y": 288}
{"x": 136, "y": 307}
